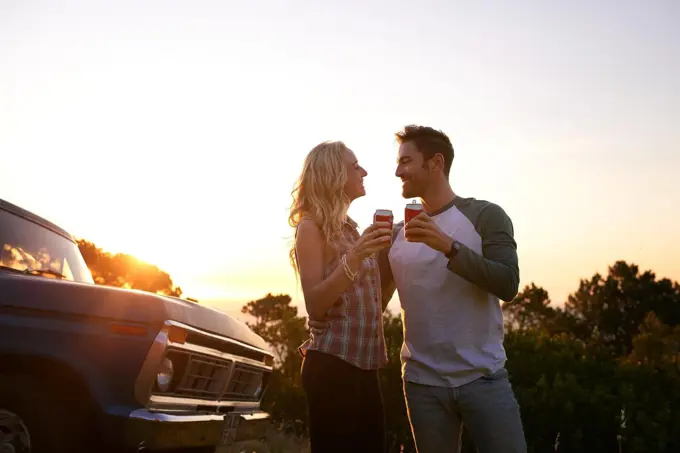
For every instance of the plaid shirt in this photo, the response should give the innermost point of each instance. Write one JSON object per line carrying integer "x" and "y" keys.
{"x": 355, "y": 332}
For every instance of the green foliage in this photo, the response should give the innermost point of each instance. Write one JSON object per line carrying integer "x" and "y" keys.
{"x": 609, "y": 311}
{"x": 657, "y": 344}
{"x": 602, "y": 373}
{"x": 558, "y": 384}
{"x": 284, "y": 398}
{"x": 530, "y": 310}
{"x": 278, "y": 323}
{"x": 398, "y": 429}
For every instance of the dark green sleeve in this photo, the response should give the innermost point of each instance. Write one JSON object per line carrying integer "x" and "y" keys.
{"x": 497, "y": 269}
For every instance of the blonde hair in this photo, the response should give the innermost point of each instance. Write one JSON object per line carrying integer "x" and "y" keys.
{"x": 319, "y": 194}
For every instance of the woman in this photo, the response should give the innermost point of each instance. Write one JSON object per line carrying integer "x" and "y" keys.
{"x": 340, "y": 281}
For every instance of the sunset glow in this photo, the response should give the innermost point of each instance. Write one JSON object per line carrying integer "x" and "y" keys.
{"x": 174, "y": 131}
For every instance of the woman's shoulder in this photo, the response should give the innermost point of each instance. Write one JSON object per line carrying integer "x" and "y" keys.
{"x": 307, "y": 223}
{"x": 309, "y": 232}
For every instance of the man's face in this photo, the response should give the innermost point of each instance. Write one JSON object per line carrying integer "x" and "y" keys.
{"x": 415, "y": 177}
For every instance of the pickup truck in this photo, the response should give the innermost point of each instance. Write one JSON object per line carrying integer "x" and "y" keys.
{"x": 87, "y": 367}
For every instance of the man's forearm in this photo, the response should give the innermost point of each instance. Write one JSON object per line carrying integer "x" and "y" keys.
{"x": 495, "y": 276}
{"x": 495, "y": 267}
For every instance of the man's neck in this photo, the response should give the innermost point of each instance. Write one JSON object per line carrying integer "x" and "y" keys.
{"x": 438, "y": 196}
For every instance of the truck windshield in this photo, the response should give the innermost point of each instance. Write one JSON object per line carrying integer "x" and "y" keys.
{"x": 31, "y": 248}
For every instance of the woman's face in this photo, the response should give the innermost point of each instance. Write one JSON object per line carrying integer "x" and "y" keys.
{"x": 355, "y": 177}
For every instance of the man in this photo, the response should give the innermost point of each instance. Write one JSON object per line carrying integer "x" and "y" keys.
{"x": 450, "y": 265}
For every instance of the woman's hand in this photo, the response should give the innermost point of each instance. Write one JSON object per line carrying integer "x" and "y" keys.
{"x": 321, "y": 291}
{"x": 374, "y": 238}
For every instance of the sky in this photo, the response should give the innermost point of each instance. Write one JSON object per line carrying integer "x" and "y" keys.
{"x": 174, "y": 131}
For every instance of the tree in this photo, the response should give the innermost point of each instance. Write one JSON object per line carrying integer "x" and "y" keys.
{"x": 608, "y": 311}
{"x": 126, "y": 271}
{"x": 590, "y": 398}
{"x": 529, "y": 310}
{"x": 278, "y": 323}
{"x": 657, "y": 344}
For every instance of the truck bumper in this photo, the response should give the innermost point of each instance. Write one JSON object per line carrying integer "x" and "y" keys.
{"x": 158, "y": 430}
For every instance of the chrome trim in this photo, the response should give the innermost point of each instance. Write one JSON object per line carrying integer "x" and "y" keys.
{"x": 259, "y": 415}
{"x": 149, "y": 370}
{"x": 232, "y": 367}
{"x": 167, "y": 402}
{"x": 218, "y": 337}
{"x": 143, "y": 414}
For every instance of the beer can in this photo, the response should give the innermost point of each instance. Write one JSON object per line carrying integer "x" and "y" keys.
{"x": 383, "y": 215}
{"x": 412, "y": 209}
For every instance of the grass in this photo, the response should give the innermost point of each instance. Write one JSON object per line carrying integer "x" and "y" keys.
{"x": 276, "y": 441}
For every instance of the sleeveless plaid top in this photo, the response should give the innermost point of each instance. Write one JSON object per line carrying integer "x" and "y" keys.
{"x": 355, "y": 332}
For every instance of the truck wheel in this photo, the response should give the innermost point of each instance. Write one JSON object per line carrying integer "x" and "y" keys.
{"x": 14, "y": 436}
{"x": 34, "y": 419}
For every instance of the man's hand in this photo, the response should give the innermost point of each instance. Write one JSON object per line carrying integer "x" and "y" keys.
{"x": 317, "y": 327}
{"x": 423, "y": 229}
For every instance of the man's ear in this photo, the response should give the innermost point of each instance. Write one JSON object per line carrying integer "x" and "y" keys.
{"x": 437, "y": 162}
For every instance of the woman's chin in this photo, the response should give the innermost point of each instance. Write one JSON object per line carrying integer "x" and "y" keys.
{"x": 358, "y": 194}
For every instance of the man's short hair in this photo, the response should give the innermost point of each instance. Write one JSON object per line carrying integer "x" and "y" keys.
{"x": 429, "y": 142}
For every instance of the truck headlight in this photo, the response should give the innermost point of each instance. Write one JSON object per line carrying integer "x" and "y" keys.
{"x": 164, "y": 376}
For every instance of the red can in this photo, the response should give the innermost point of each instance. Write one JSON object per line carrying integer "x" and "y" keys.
{"x": 383, "y": 215}
{"x": 412, "y": 209}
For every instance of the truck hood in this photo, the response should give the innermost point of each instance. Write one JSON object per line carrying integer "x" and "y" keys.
{"x": 91, "y": 303}
{"x": 211, "y": 320}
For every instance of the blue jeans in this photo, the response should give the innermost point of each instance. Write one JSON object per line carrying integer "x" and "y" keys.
{"x": 487, "y": 407}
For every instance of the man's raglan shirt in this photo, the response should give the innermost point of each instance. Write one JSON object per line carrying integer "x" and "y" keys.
{"x": 453, "y": 322}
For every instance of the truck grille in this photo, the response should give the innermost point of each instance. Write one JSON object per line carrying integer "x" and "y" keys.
{"x": 203, "y": 377}
{"x": 244, "y": 382}
{"x": 200, "y": 376}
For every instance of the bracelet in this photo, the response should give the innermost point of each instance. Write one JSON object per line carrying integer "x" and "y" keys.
{"x": 348, "y": 272}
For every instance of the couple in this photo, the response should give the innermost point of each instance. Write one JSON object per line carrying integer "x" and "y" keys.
{"x": 450, "y": 265}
